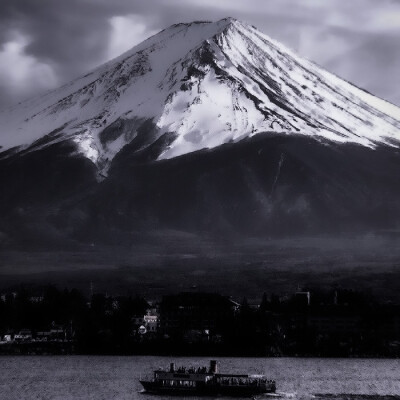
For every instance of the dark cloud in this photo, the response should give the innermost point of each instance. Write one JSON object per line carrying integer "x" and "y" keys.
{"x": 55, "y": 41}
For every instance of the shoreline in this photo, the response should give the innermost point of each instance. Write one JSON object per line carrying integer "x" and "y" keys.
{"x": 68, "y": 348}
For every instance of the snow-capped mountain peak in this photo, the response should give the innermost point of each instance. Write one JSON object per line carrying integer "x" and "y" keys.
{"x": 199, "y": 85}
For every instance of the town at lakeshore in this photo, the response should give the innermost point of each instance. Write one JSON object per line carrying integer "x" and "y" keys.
{"x": 332, "y": 323}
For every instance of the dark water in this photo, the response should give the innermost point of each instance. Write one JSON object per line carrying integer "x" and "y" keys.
{"x": 89, "y": 377}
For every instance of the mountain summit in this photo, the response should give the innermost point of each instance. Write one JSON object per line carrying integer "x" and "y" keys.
{"x": 208, "y": 129}
{"x": 195, "y": 86}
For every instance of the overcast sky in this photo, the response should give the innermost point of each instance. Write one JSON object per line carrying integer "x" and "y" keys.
{"x": 45, "y": 43}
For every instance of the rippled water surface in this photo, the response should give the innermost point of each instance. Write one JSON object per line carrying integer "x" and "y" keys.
{"x": 81, "y": 377}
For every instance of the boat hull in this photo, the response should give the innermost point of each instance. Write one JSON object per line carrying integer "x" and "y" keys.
{"x": 208, "y": 390}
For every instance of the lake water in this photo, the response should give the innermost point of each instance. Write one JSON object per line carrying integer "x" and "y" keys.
{"x": 98, "y": 377}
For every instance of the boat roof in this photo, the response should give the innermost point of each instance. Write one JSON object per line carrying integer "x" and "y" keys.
{"x": 203, "y": 374}
{"x": 239, "y": 376}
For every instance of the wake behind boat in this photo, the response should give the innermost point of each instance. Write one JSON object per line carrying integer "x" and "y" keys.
{"x": 207, "y": 382}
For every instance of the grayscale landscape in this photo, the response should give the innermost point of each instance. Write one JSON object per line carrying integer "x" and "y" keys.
{"x": 185, "y": 179}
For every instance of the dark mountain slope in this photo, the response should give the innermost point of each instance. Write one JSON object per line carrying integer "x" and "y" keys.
{"x": 270, "y": 186}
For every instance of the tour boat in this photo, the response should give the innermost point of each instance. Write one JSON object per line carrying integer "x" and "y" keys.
{"x": 206, "y": 381}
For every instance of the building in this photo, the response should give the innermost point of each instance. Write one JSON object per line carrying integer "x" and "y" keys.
{"x": 57, "y": 333}
{"x": 43, "y": 336}
{"x": 302, "y": 299}
{"x": 8, "y": 338}
{"x": 23, "y": 335}
{"x": 151, "y": 323}
{"x": 148, "y": 323}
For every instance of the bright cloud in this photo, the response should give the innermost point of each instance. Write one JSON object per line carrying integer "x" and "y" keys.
{"x": 126, "y": 32}
{"x": 22, "y": 74}
{"x": 387, "y": 20}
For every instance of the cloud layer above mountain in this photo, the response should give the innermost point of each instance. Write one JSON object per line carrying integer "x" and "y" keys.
{"x": 45, "y": 43}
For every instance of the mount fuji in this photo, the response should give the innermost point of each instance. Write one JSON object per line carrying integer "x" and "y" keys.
{"x": 207, "y": 128}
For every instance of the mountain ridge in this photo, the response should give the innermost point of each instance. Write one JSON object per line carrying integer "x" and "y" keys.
{"x": 229, "y": 81}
